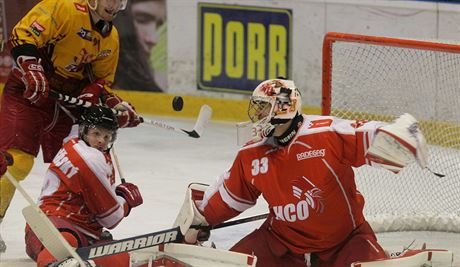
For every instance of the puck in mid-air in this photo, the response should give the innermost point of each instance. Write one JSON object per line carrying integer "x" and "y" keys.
{"x": 178, "y": 103}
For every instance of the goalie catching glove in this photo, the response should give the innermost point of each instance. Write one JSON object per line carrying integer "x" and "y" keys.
{"x": 395, "y": 145}
{"x": 190, "y": 215}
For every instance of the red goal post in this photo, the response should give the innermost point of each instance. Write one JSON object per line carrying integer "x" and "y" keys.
{"x": 379, "y": 78}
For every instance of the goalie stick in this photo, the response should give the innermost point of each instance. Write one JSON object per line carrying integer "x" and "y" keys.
{"x": 203, "y": 117}
{"x": 44, "y": 229}
{"x": 48, "y": 234}
{"x": 230, "y": 223}
{"x": 150, "y": 240}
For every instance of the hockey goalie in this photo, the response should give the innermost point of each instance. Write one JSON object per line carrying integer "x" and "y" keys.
{"x": 303, "y": 167}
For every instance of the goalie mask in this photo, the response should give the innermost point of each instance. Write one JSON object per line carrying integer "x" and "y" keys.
{"x": 273, "y": 102}
{"x": 98, "y": 127}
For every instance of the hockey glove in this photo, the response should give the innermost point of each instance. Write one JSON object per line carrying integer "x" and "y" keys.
{"x": 190, "y": 215}
{"x": 31, "y": 72}
{"x": 396, "y": 144}
{"x": 131, "y": 194}
{"x": 129, "y": 117}
{"x": 5, "y": 160}
{"x": 93, "y": 92}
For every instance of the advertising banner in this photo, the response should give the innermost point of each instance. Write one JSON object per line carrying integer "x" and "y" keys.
{"x": 240, "y": 46}
{"x": 143, "y": 46}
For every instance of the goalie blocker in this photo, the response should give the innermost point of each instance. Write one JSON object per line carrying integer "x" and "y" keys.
{"x": 395, "y": 145}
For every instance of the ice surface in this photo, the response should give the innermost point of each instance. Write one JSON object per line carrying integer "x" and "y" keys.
{"x": 162, "y": 163}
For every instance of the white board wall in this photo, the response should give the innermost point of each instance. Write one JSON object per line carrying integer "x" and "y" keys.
{"x": 311, "y": 20}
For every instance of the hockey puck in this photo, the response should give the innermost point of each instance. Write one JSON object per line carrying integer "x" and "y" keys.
{"x": 178, "y": 103}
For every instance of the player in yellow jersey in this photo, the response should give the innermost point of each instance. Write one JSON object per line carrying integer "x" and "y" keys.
{"x": 69, "y": 46}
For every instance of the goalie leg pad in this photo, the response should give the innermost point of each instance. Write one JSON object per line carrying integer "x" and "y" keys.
{"x": 429, "y": 257}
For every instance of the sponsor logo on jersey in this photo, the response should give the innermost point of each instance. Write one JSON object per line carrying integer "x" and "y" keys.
{"x": 317, "y": 153}
{"x": 104, "y": 53}
{"x": 309, "y": 197}
{"x": 80, "y": 7}
{"x": 72, "y": 67}
{"x": 320, "y": 123}
{"x": 85, "y": 34}
{"x": 37, "y": 28}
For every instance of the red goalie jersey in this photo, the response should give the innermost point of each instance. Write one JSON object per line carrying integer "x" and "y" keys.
{"x": 308, "y": 184}
{"x": 79, "y": 173}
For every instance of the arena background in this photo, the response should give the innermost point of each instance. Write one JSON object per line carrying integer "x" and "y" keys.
{"x": 216, "y": 52}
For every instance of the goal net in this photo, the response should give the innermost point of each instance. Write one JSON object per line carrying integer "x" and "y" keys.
{"x": 379, "y": 78}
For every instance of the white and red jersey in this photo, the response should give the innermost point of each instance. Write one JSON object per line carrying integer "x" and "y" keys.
{"x": 308, "y": 184}
{"x": 79, "y": 186}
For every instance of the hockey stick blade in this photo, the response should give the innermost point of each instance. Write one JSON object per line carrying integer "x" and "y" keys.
{"x": 203, "y": 119}
{"x": 131, "y": 243}
{"x": 201, "y": 122}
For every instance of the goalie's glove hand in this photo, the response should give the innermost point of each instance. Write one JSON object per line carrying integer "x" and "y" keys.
{"x": 190, "y": 219}
{"x": 71, "y": 262}
{"x": 5, "y": 160}
{"x": 32, "y": 74}
{"x": 130, "y": 192}
{"x": 395, "y": 145}
{"x": 129, "y": 117}
{"x": 196, "y": 235}
{"x": 93, "y": 92}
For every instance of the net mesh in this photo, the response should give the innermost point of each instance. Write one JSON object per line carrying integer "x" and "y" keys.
{"x": 381, "y": 82}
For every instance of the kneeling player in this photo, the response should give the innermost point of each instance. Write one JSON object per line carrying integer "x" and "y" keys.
{"x": 79, "y": 195}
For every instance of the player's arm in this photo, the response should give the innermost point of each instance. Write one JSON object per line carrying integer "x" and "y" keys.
{"x": 354, "y": 139}
{"x": 100, "y": 92}
{"x": 41, "y": 26}
{"x": 102, "y": 199}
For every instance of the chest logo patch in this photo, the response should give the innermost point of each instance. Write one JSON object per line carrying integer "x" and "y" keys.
{"x": 310, "y": 199}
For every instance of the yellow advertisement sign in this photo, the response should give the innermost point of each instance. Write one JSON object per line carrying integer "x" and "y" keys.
{"x": 240, "y": 46}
